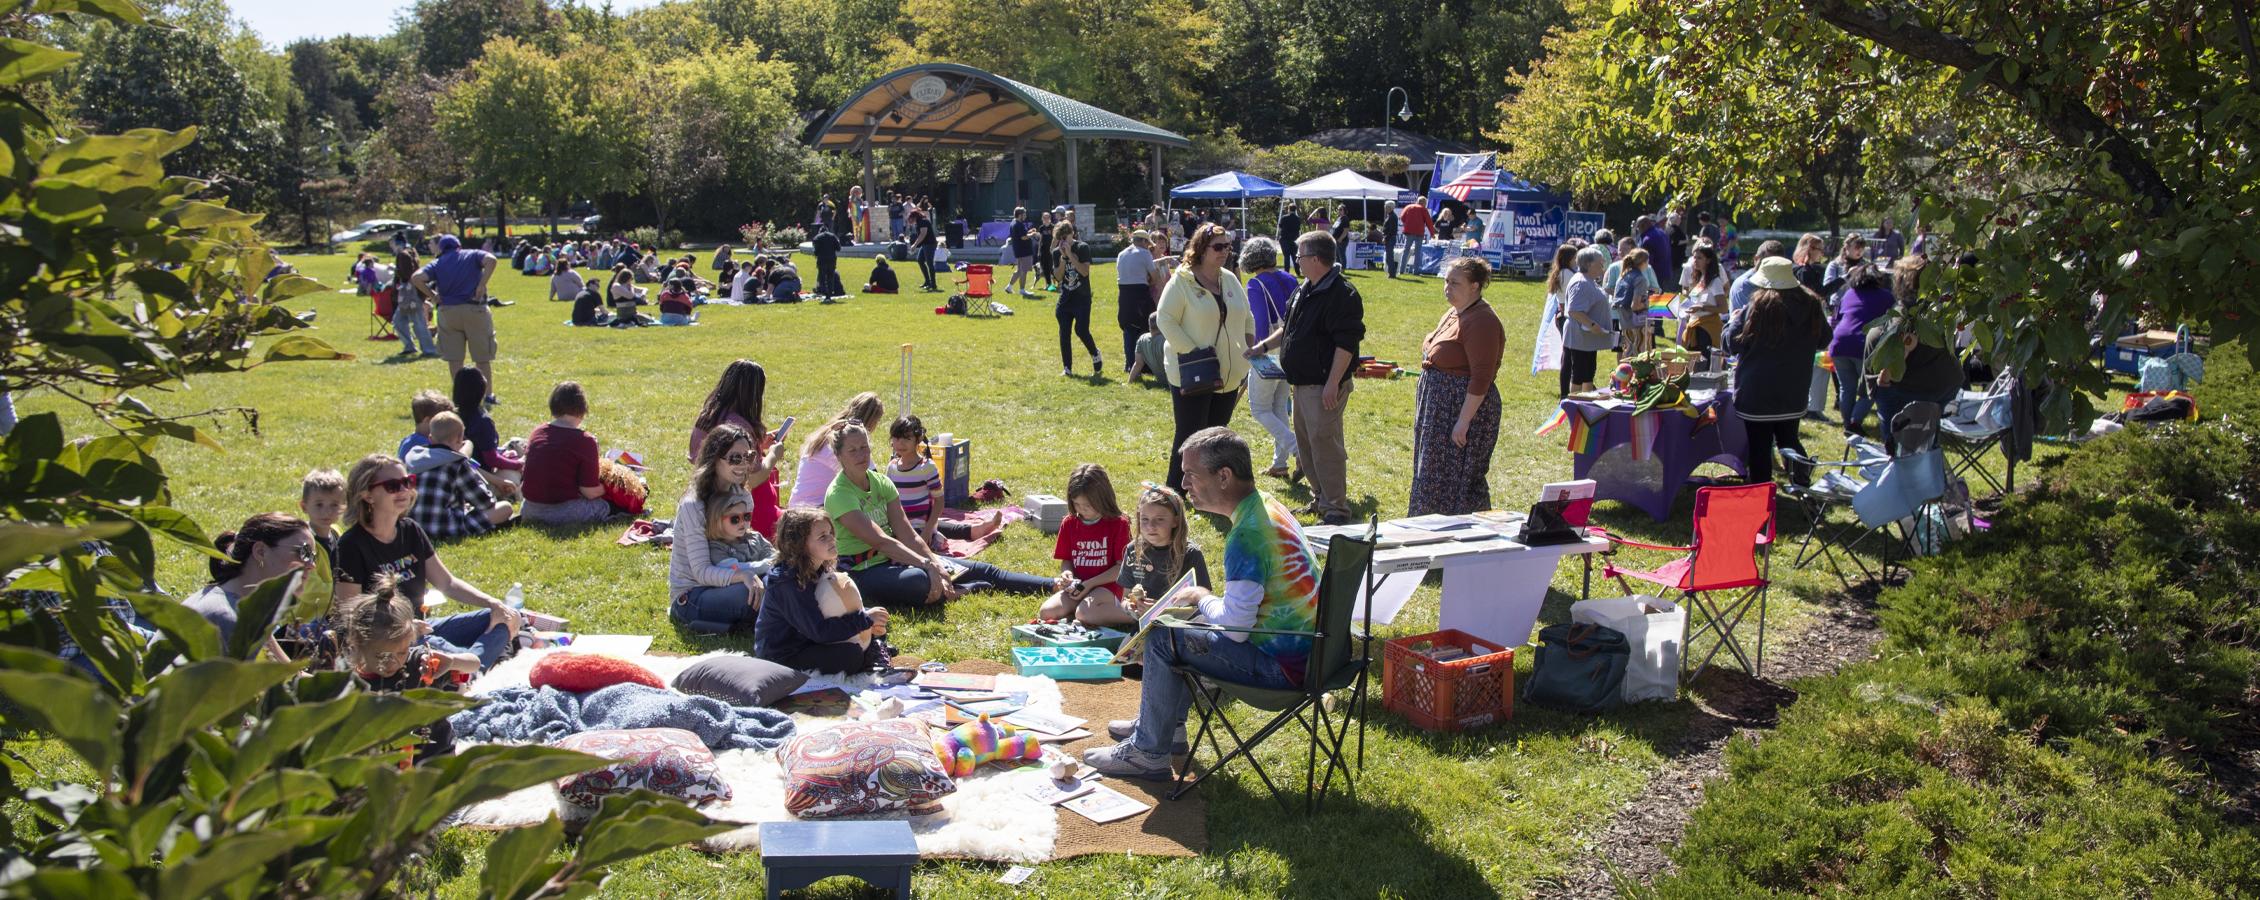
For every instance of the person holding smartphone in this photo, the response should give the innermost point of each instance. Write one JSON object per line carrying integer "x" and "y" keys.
{"x": 737, "y": 400}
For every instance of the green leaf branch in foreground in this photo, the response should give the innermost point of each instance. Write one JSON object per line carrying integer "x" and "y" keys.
{"x": 196, "y": 771}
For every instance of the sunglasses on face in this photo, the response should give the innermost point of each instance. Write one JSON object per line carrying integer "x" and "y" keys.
{"x": 738, "y": 459}
{"x": 738, "y": 518}
{"x": 305, "y": 553}
{"x": 398, "y": 485}
{"x": 1226, "y": 245}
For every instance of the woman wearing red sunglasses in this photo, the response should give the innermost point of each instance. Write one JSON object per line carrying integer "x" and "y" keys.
{"x": 381, "y": 539}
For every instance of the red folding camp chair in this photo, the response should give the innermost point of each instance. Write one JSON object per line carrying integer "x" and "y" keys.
{"x": 380, "y": 309}
{"x": 980, "y": 284}
{"x": 1733, "y": 529}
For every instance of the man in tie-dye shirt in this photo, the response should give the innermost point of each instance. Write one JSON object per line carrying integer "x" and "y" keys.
{"x": 1270, "y": 582}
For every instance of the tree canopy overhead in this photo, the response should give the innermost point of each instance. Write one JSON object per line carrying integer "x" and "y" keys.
{"x": 2098, "y": 158}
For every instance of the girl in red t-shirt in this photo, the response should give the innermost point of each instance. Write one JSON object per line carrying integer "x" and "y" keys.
{"x": 1092, "y": 543}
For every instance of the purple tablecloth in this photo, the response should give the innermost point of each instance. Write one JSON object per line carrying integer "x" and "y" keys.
{"x": 994, "y": 233}
{"x": 1682, "y": 442}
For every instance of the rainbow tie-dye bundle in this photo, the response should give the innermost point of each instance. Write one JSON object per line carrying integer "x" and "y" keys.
{"x": 964, "y": 748}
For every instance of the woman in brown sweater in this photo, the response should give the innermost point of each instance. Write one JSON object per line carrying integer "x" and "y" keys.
{"x": 1457, "y": 423}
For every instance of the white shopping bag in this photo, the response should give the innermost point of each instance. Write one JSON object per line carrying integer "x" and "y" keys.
{"x": 1654, "y": 628}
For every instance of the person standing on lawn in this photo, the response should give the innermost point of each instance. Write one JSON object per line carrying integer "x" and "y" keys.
{"x": 1204, "y": 308}
{"x": 1270, "y": 582}
{"x": 1389, "y": 236}
{"x": 1023, "y": 252}
{"x": 1134, "y": 277}
{"x": 1317, "y": 344}
{"x": 1456, "y": 423}
{"x": 1271, "y": 399}
{"x": 1417, "y": 227}
{"x": 456, "y": 281}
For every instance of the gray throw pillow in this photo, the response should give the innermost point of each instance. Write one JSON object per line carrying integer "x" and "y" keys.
{"x": 740, "y": 681}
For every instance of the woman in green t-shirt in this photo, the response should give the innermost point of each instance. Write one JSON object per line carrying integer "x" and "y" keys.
{"x": 882, "y": 552}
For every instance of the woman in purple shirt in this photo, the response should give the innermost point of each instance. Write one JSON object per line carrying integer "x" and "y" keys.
{"x": 1269, "y": 289}
{"x": 1866, "y": 300}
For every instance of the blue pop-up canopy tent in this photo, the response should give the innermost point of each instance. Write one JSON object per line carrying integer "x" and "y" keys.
{"x": 1228, "y": 186}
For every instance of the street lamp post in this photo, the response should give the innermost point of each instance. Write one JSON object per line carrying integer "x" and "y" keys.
{"x": 1404, "y": 114}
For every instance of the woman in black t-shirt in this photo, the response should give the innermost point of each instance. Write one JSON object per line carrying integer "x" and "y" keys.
{"x": 380, "y": 539}
{"x": 1072, "y": 260}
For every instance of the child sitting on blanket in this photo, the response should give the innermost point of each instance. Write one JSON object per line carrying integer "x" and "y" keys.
{"x": 1163, "y": 554}
{"x": 732, "y": 543}
{"x": 920, "y": 485}
{"x": 1091, "y": 547}
{"x": 378, "y": 633}
{"x": 812, "y": 617}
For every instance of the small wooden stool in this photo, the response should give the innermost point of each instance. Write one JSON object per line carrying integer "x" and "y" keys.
{"x": 798, "y": 854}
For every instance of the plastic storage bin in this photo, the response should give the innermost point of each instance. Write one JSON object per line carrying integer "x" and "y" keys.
{"x": 1448, "y": 695}
{"x": 1066, "y": 663}
{"x": 1106, "y": 639}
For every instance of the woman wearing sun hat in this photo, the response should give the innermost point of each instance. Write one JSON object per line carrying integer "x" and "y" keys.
{"x": 1775, "y": 339}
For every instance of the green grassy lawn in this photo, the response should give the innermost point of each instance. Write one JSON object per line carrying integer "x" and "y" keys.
{"x": 1497, "y": 811}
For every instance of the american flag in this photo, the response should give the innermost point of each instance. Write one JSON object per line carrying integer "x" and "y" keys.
{"x": 1478, "y": 180}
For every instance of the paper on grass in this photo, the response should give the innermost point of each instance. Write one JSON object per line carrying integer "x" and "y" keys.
{"x": 1104, "y": 804}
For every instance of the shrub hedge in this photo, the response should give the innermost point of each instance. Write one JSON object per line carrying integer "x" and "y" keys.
{"x": 2047, "y": 699}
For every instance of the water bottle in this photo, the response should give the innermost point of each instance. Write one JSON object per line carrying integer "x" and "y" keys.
{"x": 516, "y": 599}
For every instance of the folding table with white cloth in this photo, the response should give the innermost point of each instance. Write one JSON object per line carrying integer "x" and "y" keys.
{"x": 1494, "y": 587}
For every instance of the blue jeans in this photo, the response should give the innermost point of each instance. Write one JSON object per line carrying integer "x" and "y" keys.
{"x": 713, "y": 610}
{"x": 1163, "y": 698}
{"x": 409, "y": 322}
{"x": 469, "y": 632}
{"x": 895, "y": 585}
{"x": 1410, "y": 264}
{"x": 669, "y": 318}
{"x": 1852, "y": 391}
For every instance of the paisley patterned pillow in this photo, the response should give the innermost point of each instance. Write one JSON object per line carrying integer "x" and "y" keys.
{"x": 863, "y": 767}
{"x": 669, "y": 761}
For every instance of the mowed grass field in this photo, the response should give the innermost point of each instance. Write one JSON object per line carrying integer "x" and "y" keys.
{"x": 1498, "y": 811}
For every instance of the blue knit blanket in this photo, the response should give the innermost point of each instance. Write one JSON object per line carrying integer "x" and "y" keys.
{"x": 542, "y": 715}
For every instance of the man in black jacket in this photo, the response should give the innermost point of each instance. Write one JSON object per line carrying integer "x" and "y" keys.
{"x": 1317, "y": 343}
{"x": 1290, "y": 224}
{"x": 827, "y": 249}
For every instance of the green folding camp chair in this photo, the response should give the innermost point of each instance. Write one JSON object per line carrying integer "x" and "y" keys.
{"x": 1341, "y": 655}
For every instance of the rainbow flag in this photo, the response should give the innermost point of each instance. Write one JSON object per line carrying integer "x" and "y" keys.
{"x": 1560, "y": 416}
{"x": 1644, "y": 428}
{"x": 1580, "y": 435}
{"x": 1659, "y": 305}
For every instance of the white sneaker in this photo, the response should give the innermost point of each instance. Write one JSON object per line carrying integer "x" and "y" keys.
{"x": 1125, "y": 760}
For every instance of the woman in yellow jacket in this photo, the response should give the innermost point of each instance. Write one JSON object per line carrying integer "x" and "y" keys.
{"x": 1203, "y": 307}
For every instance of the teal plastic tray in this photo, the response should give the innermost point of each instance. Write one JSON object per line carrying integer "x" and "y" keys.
{"x": 1108, "y": 639}
{"x": 1066, "y": 663}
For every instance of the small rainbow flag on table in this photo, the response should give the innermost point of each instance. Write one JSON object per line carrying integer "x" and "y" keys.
{"x": 1659, "y": 305}
{"x": 1560, "y": 416}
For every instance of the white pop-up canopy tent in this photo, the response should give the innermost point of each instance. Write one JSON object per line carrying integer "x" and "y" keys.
{"x": 1346, "y": 185}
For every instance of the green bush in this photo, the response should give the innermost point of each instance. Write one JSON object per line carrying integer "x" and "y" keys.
{"x": 2029, "y": 730}
{"x": 1882, "y": 780}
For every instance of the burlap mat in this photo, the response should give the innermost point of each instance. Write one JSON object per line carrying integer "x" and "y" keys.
{"x": 1170, "y": 828}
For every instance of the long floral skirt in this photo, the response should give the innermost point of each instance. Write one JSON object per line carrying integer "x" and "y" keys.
{"x": 1448, "y": 478}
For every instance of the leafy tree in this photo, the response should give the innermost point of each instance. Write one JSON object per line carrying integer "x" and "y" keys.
{"x": 205, "y": 773}
{"x": 739, "y": 155}
{"x": 2097, "y": 159}
{"x": 1302, "y": 161}
{"x": 1565, "y": 125}
{"x": 408, "y": 159}
{"x": 151, "y": 76}
{"x": 451, "y": 34}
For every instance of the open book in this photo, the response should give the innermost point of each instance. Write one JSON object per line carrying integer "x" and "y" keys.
{"x": 1134, "y": 646}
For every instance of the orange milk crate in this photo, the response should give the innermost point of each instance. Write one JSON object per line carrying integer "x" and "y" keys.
{"x": 1448, "y": 695}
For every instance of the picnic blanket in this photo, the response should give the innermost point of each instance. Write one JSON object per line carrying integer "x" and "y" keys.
{"x": 542, "y": 715}
{"x": 964, "y": 549}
